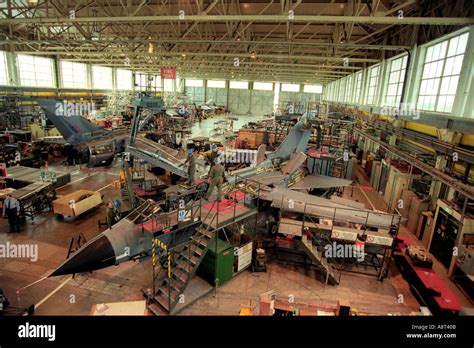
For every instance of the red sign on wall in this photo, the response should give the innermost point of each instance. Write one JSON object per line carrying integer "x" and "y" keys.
{"x": 3, "y": 170}
{"x": 168, "y": 73}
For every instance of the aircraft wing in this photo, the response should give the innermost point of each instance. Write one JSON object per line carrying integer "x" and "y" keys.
{"x": 269, "y": 178}
{"x": 165, "y": 151}
{"x": 165, "y": 157}
{"x": 159, "y": 155}
{"x": 314, "y": 181}
{"x": 340, "y": 210}
{"x": 308, "y": 182}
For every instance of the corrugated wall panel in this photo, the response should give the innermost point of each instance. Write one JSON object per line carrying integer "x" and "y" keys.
{"x": 219, "y": 95}
{"x": 299, "y": 97}
{"x": 262, "y": 102}
{"x": 196, "y": 95}
{"x": 239, "y": 101}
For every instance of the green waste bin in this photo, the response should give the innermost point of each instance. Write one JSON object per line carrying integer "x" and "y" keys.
{"x": 223, "y": 259}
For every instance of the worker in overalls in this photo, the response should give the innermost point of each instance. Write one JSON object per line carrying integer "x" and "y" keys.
{"x": 191, "y": 162}
{"x": 11, "y": 209}
{"x": 212, "y": 155}
{"x": 216, "y": 178}
{"x": 110, "y": 214}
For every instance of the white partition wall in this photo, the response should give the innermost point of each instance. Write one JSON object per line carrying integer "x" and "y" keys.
{"x": 262, "y": 102}
{"x": 217, "y": 91}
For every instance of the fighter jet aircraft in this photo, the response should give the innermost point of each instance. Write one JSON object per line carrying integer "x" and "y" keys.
{"x": 180, "y": 109}
{"x": 95, "y": 144}
{"x": 128, "y": 240}
{"x": 209, "y": 107}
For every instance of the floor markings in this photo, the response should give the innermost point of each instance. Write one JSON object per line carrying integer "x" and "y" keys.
{"x": 64, "y": 282}
{"x": 103, "y": 188}
{"x": 366, "y": 197}
{"x": 27, "y": 286}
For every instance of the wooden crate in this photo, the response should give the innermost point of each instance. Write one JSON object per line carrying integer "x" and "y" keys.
{"x": 254, "y": 137}
{"x": 76, "y": 203}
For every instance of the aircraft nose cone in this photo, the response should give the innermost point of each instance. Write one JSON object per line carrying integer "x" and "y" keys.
{"x": 96, "y": 254}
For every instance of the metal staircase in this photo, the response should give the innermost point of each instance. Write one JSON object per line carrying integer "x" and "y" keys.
{"x": 174, "y": 267}
{"x": 180, "y": 265}
{"x": 331, "y": 268}
{"x": 317, "y": 257}
{"x": 183, "y": 269}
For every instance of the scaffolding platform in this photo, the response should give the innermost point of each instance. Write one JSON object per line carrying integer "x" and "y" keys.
{"x": 227, "y": 216}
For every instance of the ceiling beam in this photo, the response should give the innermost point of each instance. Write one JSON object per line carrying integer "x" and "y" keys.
{"x": 305, "y": 43}
{"x": 201, "y": 54}
{"x": 267, "y": 63}
{"x": 437, "y": 21}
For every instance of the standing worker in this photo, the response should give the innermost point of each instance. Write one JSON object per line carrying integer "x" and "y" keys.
{"x": 11, "y": 208}
{"x": 216, "y": 178}
{"x": 110, "y": 214}
{"x": 212, "y": 155}
{"x": 191, "y": 162}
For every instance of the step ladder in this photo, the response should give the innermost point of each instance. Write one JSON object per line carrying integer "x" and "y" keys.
{"x": 317, "y": 257}
{"x": 127, "y": 190}
{"x": 338, "y": 169}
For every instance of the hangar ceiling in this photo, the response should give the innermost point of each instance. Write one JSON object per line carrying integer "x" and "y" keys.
{"x": 310, "y": 41}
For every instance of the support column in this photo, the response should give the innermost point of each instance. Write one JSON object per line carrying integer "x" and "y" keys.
{"x": 12, "y": 71}
{"x": 441, "y": 163}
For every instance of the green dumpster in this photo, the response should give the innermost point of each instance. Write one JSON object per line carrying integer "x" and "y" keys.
{"x": 217, "y": 264}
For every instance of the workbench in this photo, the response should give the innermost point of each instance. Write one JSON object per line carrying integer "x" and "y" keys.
{"x": 20, "y": 176}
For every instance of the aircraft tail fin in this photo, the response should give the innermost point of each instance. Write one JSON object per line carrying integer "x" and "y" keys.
{"x": 261, "y": 153}
{"x": 296, "y": 141}
{"x": 75, "y": 129}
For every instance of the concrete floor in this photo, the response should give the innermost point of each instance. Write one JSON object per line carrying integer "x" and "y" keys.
{"x": 66, "y": 296}
{"x": 24, "y": 284}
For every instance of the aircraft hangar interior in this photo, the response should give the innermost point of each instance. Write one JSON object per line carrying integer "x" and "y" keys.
{"x": 236, "y": 158}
